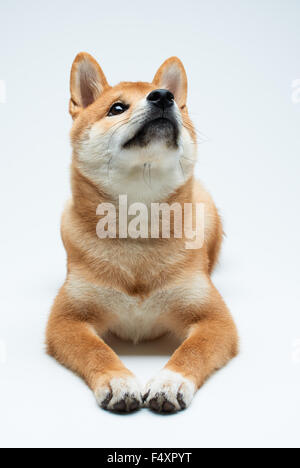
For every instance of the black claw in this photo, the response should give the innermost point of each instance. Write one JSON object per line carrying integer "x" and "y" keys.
{"x": 168, "y": 407}
{"x": 105, "y": 402}
{"x": 181, "y": 401}
{"x": 154, "y": 405}
{"x": 134, "y": 405}
{"x": 145, "y": 397}
{"x": 120, "y": 406}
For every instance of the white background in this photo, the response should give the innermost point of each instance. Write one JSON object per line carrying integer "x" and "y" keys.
{"x": 241, "y": 57}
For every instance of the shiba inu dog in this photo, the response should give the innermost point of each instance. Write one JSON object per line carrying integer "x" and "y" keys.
{"x": 136, "y": 139}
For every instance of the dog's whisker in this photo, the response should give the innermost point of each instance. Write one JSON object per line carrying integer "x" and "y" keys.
{"x": 118, "y": 125}
{"x": 188, "y": 159}
{"x": 183, "y": 173}
{"x": 109, "y": 166}
{"x": 144, "y": 173}
{"x": 149, "y": 182}
{"x": 200, "y": 134}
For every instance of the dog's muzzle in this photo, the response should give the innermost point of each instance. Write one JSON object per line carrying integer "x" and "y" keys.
{"x": 159, "y": 124}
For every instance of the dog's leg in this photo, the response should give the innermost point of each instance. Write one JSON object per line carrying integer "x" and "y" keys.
{"x": 72, "y": 340}
{"x": 211, "y": 342}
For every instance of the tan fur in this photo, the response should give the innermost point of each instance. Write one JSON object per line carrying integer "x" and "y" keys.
{"x": 156, "y": 283}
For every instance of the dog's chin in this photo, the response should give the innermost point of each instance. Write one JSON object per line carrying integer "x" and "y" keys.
{"x": 161, "y": 130}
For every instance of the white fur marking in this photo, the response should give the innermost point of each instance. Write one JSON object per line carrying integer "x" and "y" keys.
{"x": 172, "y": 387}
{"x": 119, "y": 389}
{"x": 134, "y": 319}
{"x": 104, "y": 160}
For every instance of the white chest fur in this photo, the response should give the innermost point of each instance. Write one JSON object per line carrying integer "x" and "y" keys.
{"x": 137, "y": 320}
{"x": 131, "y": 318}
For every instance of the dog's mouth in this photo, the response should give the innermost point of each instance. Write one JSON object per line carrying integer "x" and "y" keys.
{"x": 163, "y": 129}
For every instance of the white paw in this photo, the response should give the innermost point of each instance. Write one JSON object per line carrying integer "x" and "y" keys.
{"x": 121, "y": 394}
{"x": 169, "y": 392}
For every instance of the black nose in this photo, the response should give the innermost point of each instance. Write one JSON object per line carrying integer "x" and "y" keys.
{"x": 161, "y": 98}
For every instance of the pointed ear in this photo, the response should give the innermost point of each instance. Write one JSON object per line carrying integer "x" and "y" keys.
{"x": 172, "y": 76}
{"x": 87, "y": 83}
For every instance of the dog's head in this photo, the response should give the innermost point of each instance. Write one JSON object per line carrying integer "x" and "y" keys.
{"x": 134, "y": 137}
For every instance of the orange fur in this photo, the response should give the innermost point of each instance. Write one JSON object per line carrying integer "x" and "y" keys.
{"x": 134, "y": 271}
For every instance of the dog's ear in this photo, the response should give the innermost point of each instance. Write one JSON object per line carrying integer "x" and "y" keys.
{"x": 172, "y": 76}
{"x": 87, "y": 83}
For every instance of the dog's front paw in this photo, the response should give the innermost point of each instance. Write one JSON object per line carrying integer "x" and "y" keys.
{"x": 120, "y": 394}
{"x": 169, "y": 392}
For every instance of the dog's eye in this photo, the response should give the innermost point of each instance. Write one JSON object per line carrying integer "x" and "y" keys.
{"x": 117, "y": 108}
